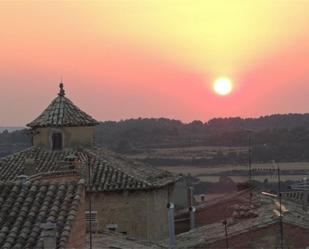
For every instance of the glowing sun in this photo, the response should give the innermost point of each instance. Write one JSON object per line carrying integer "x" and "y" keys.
{"x": 223, "y": 86}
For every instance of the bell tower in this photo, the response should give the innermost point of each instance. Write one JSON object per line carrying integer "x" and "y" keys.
{"x": 63, "y": 125}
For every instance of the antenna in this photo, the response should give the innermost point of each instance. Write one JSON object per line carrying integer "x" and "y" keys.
{"x": 90, "y": 181}
{"x": 250, "y": 156}
{"x": 226, "y": 234}
{"x": 280, "y": 204}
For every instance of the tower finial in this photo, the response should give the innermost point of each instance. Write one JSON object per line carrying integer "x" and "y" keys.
{"x": 61, "y": 92}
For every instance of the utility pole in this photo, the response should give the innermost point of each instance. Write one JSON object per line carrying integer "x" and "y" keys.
{"x": 90, "y": 205}
{"x": 250, "y": 170}
{"x": 192, "y": 209}
{"x": 250, "y": 156}
{"x": 305, "y": 194}
{"x": 280, "y": 207}
{"x": 226, "y": 234}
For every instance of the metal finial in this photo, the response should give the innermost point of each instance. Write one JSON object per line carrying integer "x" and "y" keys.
{"x": 61, "y": 92}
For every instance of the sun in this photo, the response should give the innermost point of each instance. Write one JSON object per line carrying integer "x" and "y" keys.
{"x": 223, "y": 86}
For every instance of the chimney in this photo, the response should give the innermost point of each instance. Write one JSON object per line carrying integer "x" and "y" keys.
{"x": 71, "y": 162}
{"x": 191, "y": 208}
{"x": 192, "y": 217}
{"x": 23, "y": 178}
{"x": 29, "y": 167}
{"x": 190, "y": 196}
{"x": 77, "y": 164}
{"x": 171, "y": 224}
{"x": 49, "y": 234}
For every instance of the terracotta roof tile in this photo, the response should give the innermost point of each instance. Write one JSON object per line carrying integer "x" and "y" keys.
{"x": 26, "y": 206}
{"x": 62, "y": 112}
{"x": 110, "y": 171}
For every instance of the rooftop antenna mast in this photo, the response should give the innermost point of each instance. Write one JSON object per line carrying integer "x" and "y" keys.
{"x": 280, "y": 204}
{"x": 249, "y": 171}
{"x": 90, "y": 204}
{"x": 250, "y": 155}
{"x": 226, "y": 234}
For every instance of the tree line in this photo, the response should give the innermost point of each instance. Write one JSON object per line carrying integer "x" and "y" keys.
{"x": 281, "y": 137}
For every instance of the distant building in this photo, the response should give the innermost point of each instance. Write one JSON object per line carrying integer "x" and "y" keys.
{"x": 249, "y": 224}
{"x": 127, "y": 196}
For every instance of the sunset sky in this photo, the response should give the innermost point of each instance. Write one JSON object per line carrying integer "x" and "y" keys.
{"x": 154, "y": 58}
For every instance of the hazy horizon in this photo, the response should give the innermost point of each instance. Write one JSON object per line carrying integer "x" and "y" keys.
{"x": 21, "y": 126}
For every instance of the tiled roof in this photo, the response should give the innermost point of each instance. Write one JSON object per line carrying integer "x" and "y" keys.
{"x": 110, "y": 171}
{"x": 62, "y": 112}
{"x": 13, "y": 165}
{"x": 24, "y": 207}
{"x": 114, "y": 172}
{"x": 199, "y": 237}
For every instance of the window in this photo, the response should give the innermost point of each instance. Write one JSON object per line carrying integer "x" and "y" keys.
{"x": 91, "y": 216}
{"x": 57, "y": 141}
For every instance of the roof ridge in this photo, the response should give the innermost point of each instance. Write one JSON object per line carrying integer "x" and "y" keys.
{"x": 122, "y": 171}
{"x": 110, "y": 173}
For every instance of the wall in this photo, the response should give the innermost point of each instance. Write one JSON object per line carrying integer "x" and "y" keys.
{"x": 141, "y": 214}
{"x": 211, "y": 211}
{"x": 180, "y": 194}
{"x": 73, "y": 137}
{"x": 78, "y": 233}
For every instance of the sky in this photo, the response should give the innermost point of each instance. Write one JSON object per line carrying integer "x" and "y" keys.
{"x": 124, "y": 59}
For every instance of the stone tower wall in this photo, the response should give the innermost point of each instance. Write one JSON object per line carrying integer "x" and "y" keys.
{"x": 73, "y": 137}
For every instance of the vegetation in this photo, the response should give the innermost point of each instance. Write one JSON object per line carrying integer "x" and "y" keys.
{"x": 275, "y": 137}
{"x": 11, "y": 142}
{"x": 279, "y": 137}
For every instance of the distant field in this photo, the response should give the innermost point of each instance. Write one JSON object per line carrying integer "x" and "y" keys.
{"x": 207, "y": 174}
{"x": 194, "y": 152}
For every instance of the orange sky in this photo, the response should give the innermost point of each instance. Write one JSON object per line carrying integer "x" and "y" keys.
{"x": 154, "y": 58}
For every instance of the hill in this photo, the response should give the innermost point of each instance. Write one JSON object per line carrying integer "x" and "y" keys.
{"x": 164, "y": 132}
{"x": 283, "y": 137}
